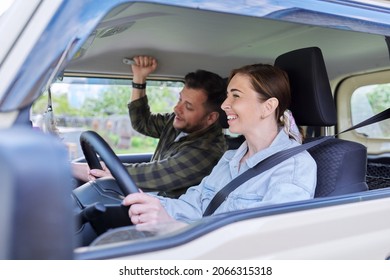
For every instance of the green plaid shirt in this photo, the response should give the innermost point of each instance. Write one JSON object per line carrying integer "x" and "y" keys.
{"x": 176, "y": 164}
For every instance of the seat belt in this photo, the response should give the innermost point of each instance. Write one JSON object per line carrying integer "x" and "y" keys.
{"x": 277, "y": 158}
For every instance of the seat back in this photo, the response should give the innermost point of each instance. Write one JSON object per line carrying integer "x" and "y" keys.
{"x": 341, "y": 164}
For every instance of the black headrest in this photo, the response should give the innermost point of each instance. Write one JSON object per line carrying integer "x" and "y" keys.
{"x": 312, "y": 102}
{"x": 223, "y": 119}
{"x": 222, "y": 115}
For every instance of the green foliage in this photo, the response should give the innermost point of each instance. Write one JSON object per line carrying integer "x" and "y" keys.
{"x": 379, "y": 98}
{"x": 60, "y": 105}
{"x": 136, "y": 142}
{"x": 114, "y": 101}
{"x": 110, "y": 102}
{"x": 83, "y": 102}
{"x": 161, "y": 99}
{"x": 148, "y": 143}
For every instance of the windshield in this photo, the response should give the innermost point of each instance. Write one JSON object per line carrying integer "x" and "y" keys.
{"x": 100, "y": 104}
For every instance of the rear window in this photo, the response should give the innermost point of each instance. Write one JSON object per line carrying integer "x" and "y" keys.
{"x": 367, "y": 101}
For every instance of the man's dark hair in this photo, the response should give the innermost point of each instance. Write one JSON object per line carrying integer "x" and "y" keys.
{"x": 212, "y": 85}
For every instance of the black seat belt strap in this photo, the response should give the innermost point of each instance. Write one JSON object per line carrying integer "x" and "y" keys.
{"x": 262, "y": 166}
{"x": 374, "y": 119}
{"x": 277, "y": 158}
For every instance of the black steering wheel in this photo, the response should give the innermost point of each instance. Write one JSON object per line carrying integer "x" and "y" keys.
{"x": 92, "y": 145}
{"x": 99, "y": 201}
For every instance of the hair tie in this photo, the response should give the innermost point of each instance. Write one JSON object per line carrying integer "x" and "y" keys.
{"x": 290, "y": 126}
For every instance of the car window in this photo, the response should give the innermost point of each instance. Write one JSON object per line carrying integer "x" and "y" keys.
{"x": 359, "y": 97}
{"x": 367, "y": 101}
{"x": 100, "y": 104}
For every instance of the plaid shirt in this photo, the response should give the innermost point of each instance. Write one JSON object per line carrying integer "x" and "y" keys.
{"x": 177, "y": 164}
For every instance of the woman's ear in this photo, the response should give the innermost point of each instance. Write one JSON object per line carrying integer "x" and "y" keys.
{"x": 270, "y": 106}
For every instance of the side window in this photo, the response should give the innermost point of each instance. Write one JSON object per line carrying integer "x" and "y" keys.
{"x": 358, "y": 98}
{"x": 367, "y": 101}
{"x": 100, "y": 104}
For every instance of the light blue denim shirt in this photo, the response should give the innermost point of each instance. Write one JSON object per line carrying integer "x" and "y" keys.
{"x": 292, "y": 180}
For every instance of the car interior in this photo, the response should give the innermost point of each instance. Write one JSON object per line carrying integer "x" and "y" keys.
{"x": 263, "y": 40}
{"x": 341, "y": 164}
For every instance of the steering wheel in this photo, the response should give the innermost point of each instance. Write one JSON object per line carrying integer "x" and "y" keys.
{"x": 92, "y": 145}
{"x": 99, "y": 201}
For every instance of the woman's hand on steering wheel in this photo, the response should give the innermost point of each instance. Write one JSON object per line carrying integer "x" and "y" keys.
{"x": 146, "y": 209}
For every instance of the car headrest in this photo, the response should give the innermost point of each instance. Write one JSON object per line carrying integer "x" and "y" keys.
{"x": 223, "y": 119}
{"x": 312, "y": 102}
{"x": 222, "y": 115}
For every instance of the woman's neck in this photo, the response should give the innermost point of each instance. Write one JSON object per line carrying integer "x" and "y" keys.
{"x": 259, "y": 139}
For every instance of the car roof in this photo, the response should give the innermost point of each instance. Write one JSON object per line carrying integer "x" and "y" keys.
{"x": 183, "y": 39}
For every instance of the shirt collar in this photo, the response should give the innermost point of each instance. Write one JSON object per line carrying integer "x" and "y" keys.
{"x": 281, "y": 142}
{"x": 180, "y": 136}
{"x": 213, "y": 129}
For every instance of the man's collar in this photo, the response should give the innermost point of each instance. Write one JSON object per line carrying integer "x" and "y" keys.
{"x": 180, "y": 136}
{"x": 212, "y": 129}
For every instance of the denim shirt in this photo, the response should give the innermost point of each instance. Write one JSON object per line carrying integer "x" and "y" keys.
{"x": 293, "y": 179}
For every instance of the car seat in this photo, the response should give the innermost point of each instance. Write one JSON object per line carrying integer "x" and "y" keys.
{"x": 341, "y": 164}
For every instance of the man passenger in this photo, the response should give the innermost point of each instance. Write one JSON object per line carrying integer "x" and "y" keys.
{"x": 191, "y": 138}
